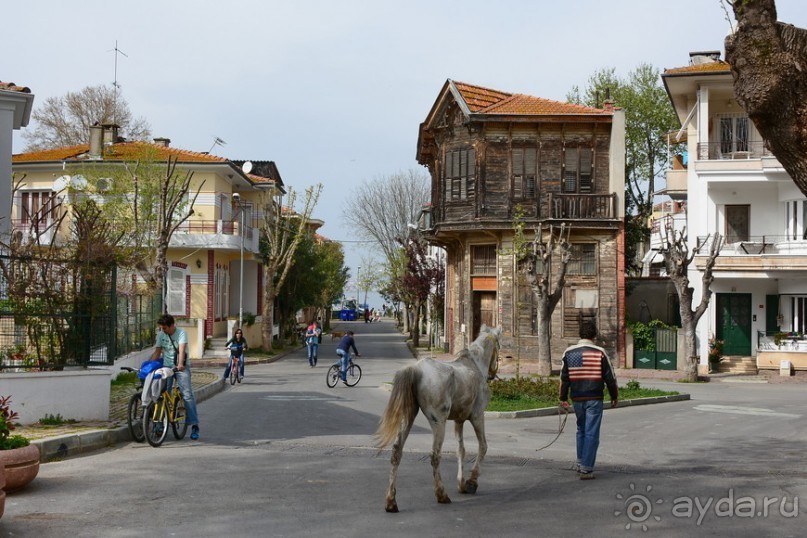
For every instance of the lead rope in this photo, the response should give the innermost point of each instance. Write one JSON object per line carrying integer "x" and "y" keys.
{"x": 561, "y": 425}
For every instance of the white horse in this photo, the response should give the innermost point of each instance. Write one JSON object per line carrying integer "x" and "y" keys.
{"x": 455, "y": 390}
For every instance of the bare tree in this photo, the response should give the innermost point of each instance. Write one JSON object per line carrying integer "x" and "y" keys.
{"x": 677, "y": 259}
{"x": 767, "y": 61}
{"x": 383, "y": 208}
{"x": 536, "y": 264}
{"x": 281, "y": 233}
{"x": 65, "y": 121}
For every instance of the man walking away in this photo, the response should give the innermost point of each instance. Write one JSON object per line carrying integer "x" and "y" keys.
{"x": 586, "y": 369}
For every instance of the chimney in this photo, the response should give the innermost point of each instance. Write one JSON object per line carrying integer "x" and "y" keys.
{"x": 96, "y": 140}
{"x": 608, "y": 104}
{"x": 162, "y": 142}
{"x": 110, "y": 133}
{"x": 704, "y": 57}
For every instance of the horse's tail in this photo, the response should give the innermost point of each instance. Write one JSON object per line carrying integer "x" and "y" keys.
{"x": 401, "y": 408}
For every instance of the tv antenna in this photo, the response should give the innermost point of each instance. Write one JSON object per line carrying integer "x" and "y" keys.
{"x": 115, "y": 84}
{"x": 217, "y": 142}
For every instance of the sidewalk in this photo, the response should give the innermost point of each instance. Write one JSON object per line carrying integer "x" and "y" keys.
{"x": 67, "y": 440}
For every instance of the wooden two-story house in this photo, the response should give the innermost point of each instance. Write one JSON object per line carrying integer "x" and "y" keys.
{"x": 490, "y": 151}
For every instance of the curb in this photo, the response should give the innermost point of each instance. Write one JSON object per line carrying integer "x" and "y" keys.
{"x": 74, "y": 444}
{"x": 549, "y": 411}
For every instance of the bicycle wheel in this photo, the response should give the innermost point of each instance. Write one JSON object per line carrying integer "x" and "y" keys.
{"x": 332, "y": 376}
{"x": 155, "y": 423}
{"x": 134, "y": 418}
{"x": 179, "y": 426}
{"x": 233, "y": 371}
{"x": 353, "y": 375}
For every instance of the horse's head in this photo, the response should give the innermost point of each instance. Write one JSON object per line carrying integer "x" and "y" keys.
{"x": 491, "y": 346}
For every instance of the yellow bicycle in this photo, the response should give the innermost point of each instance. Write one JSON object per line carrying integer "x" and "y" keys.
{"x": 168, "y": 408}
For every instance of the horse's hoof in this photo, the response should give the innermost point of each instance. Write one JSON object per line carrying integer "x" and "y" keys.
{"x": 470, "y": 487}
{"x": 444, "y": 500}
{"x": 392, "y": 508}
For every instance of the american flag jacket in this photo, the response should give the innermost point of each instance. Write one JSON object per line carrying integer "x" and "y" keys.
{"x": 586, "y": 369}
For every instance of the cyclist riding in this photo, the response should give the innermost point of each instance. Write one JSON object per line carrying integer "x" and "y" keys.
{"x": 237, "y": 346}
{"x": 343, "y": 350}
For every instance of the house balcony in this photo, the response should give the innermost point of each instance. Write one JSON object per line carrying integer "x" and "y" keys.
{"x": 732, "y": 151}
{"x": 756, "y": 253}
{"x": 582, "y": 206}
{"x": 40, "y": 232}
{"x": 215, "y": 234}
{"x": 676, "y": 187}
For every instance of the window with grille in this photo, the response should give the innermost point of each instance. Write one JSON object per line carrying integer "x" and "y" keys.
{"x": 578, "y": 169}
{"x": 176, "y": 291}
{"x": 37, "y": 207}
{"x": 583, "y": 261}
{"x": 733, "y": 133}
{"x": 524, "y": 163}
{"x": 483, "y": 260}
{"x": 460, "y": 174}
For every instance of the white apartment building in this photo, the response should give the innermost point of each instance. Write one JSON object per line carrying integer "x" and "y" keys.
{"x": 732, "y": 185}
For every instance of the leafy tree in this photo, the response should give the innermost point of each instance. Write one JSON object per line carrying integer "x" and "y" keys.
{"x": 282, "y": 230}
{"x": 332, "y": 275}
{"x": 66, "y": 120}
{"x": 767, "y": 61}
{"x": 421, "y": 275}
{"x": 648, "y": 118}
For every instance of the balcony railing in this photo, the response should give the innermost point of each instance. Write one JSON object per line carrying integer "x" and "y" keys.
{"x": 732, "y": 150}
{"x": 582, "y": 206}
{"x": 781, "y": 245}
{"x": 226, "y": 227}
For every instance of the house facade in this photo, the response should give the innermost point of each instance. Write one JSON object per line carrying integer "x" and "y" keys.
{"x": 203, "y": 283}
{"x": 732, "y": 185}
{"x": 490, "y": 152}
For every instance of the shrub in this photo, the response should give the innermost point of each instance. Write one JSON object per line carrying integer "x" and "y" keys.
{"x": 7, "y": 418}
{"x": 524, "y": 387}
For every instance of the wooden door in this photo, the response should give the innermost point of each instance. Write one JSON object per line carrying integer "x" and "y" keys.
{"x": 734, "y": 323}
{"x": 484, "y": 310}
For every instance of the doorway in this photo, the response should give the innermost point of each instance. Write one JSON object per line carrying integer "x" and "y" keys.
{"x": 484, "y": 310}
{"x": 734, "y": 323}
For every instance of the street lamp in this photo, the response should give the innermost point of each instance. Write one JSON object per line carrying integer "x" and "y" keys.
{"x": 358, "y": 290}
{"x": 237, "y": 198}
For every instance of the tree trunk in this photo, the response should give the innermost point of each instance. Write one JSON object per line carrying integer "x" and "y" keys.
{"x": 268, "y": 320}
{"x": 544, "y": 340}
{"x": 767, "y": 61}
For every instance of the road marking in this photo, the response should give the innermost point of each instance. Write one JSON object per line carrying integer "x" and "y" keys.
{"x": 737, "y": 410}
{"x": 299, "y": 398}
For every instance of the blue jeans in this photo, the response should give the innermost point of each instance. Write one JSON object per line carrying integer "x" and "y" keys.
{"x": 589, "y": 418}
{"x": 313, "y": 347}
{"x": 344, "y": 359}
{"x": 184, "y": 380}
{"x": 240, "y": 364}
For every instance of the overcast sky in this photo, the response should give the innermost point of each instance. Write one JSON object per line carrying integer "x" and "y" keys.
{"x": 334, "y": 91}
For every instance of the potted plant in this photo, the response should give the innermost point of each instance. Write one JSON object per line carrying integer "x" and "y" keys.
{"x": 17, "y": 454}
{"x": 715, "y": 352}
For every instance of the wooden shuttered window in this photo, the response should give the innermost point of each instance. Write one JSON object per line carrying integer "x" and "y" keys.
{"x": 460, "y": 174}
{"x": 483, "y": 260}
{"x": 524, "y": 162}
{"x": 578, "y": 170}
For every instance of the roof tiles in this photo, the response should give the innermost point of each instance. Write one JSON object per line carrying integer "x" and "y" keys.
{"x": 487, "y": 101}
{"x": 718, "y": 66}
{"x": 10, "y": 86}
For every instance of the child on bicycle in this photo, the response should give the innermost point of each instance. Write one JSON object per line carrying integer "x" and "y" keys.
{"x": 343, "y": 350}
{"x": 237, "y": 346}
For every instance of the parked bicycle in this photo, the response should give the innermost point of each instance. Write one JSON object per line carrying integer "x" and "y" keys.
{"x": 135, "y": 407}
{"x": 168, "y": 408}
{"x": 334, "y": 373}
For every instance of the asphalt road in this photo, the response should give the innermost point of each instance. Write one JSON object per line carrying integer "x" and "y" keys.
{"x": 283, "y": 455}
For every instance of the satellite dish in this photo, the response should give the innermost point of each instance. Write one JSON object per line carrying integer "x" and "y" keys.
{"x": 247, "y": 167}
{"x": 104, "y": 184}
{"x": 78, "y": 182}
{"x": 61, "y": 183}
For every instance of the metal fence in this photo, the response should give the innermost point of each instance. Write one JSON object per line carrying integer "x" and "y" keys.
{"x": 61, "y": 313}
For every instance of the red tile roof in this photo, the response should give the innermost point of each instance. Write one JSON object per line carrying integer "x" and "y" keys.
{"x": 122, "y": 151}
{"x": 486, "y": 101}
{"x": 711, "y": 67}
{"x": 10, "y": 86}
